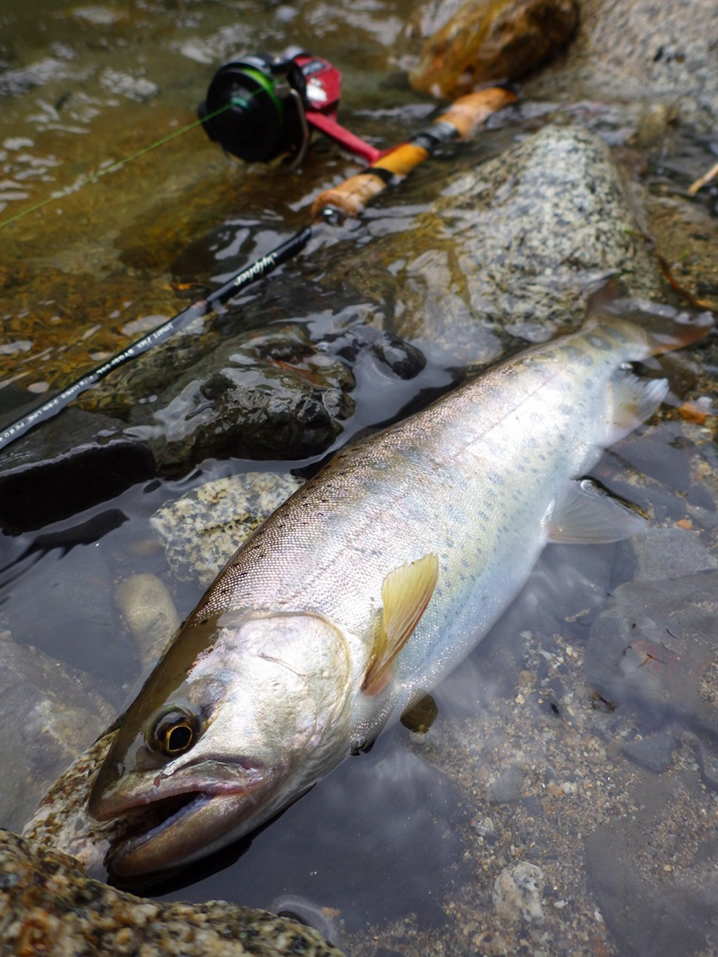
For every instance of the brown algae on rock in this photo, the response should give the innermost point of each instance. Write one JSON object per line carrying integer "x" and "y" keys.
{"x": 490, "y": 40}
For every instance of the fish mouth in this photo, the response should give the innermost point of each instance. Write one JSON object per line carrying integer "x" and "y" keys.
{"x": 168, "y": 832}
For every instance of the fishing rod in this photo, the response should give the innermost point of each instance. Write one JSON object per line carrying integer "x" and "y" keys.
{"x": 258, "y": 108}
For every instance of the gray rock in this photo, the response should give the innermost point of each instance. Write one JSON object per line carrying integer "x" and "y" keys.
{"x": 201, "y": 531}
{"x": 513, "y": 246}
{"x": 626, "y": 51}
{"x": 648, "y": 920}
{"x": 669, "y": 553}
{"x": 150, "y": 613}
{"x": 48, "y": 905}
{"x": 657, "y": 645}
{"x": 65, "y": 465}
{"x": 654, "y": 752}
{"x": 507, "y": 787}
{"x": 517, "y": 894}
{"x": 269, "y": 394}
{"x": 48, "y": 715}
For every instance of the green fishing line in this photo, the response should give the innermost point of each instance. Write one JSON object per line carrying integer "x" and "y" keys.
{"x": 113, "y": 167}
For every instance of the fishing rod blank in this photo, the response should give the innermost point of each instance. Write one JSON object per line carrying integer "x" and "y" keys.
{"x": 249, "y": 274}
{"x": 333, "y": 205}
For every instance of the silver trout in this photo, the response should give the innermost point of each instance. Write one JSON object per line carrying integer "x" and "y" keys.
{"x": 368, "y": 585}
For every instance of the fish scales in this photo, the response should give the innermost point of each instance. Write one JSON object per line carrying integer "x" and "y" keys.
{"x": 439, "y": 482}
{"x": 367, "y": 586}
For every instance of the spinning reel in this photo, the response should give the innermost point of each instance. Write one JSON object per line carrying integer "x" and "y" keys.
{"x": 259, "y": 108}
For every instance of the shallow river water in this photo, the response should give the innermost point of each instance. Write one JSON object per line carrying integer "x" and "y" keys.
{"x": 402, "y": 847}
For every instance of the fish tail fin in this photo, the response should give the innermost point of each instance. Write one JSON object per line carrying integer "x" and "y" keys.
{"x": 664, "y": 328}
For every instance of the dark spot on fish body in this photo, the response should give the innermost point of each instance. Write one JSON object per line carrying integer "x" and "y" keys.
{"x": 585, "y": 359}
{"x": 599, "y": 341}
{"x": 615, "y": 333}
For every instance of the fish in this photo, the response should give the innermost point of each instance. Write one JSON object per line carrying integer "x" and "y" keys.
{"x": 371, "y": 583}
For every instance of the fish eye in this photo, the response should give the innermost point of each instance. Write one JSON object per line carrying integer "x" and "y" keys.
{"x": 174, "y": 732}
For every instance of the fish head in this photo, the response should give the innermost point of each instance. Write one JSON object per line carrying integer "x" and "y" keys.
{"x": 244, "y": 713}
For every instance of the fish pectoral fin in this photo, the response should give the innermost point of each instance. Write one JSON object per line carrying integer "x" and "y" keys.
{"x": 420, "y": 713}
{"x": 633, "y": 400}
{"x": 584, "y": 514}
{"x": 405, "y": 593}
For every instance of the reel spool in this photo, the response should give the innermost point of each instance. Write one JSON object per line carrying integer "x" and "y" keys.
{"x": 265, "y": 107}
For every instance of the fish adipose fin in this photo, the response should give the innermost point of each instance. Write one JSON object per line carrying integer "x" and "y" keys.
{"x": 584, "y": 514}
{"x": 633, "y": 401}
{"x": 405, "y": 594}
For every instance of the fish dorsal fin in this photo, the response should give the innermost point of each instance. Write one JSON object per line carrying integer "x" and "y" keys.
{"x": 633, "y": 401}
{"x": 584, "y": 514}
{"x": 405, "y": 593}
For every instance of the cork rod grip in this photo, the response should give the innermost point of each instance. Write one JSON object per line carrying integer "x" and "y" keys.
{"x": 465, "y": 114}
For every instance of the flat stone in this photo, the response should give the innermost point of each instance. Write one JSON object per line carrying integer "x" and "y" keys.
{"x": 48, "y": 714}
{"x": 517, "y": 894}
{"x": 656, "y": 645}
{"x": 201, "y": 531}
{"x": 647, "y": 920}
{"x": 148, "y": 609}
{"x": 654, "y": 752}
{"x": 66, "y": 465}
{"x": 669, "y": 553}
{"x": 508, "y": 786}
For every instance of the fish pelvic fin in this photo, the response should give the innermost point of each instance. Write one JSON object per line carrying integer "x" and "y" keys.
{"x": 405, "y": 592}
{"x": 584, "y": 514}
{"x": 663, "y": 327}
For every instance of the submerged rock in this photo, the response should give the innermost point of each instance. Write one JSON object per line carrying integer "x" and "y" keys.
{"x": 269, "y": 394}
{"x": 49, "y": 906}
{"x": 515, "y": 246}
{"x": 66, "y": 465}
{"x": 657, "y": 645}
{"x": 489, "y": 40}
{"x": 651, "y": 917}
{"x": 48, "y": 715}
{"x": 201, "y": 531}
{"x": 517, "y": 894}
{"x": 669, "y": 553}
{"x": 150, "y": 613}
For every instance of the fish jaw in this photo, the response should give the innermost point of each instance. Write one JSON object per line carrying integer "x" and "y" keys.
{"x": 177, "y": 821}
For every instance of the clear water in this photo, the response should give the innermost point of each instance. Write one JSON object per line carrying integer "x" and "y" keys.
{"x": 392, "y": 842}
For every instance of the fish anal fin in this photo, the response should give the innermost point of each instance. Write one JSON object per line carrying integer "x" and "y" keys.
{"x": 405, "y": 593}
{"x": 633, "y": 401}
{"x": 585, "y": 514}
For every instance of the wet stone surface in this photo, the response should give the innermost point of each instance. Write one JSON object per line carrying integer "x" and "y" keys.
{"x": 65, "y": 465}
{"x": 513, "y": 248}
{"x": 657, "y": 643}
{"x": 269, "y": 394}
{"x": 48, "y": 715}
{"x": 48, "y": 905}
{"x": 201, "y": 531}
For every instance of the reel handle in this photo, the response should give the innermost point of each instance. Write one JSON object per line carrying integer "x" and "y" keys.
{"x": 459, "y": 121}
